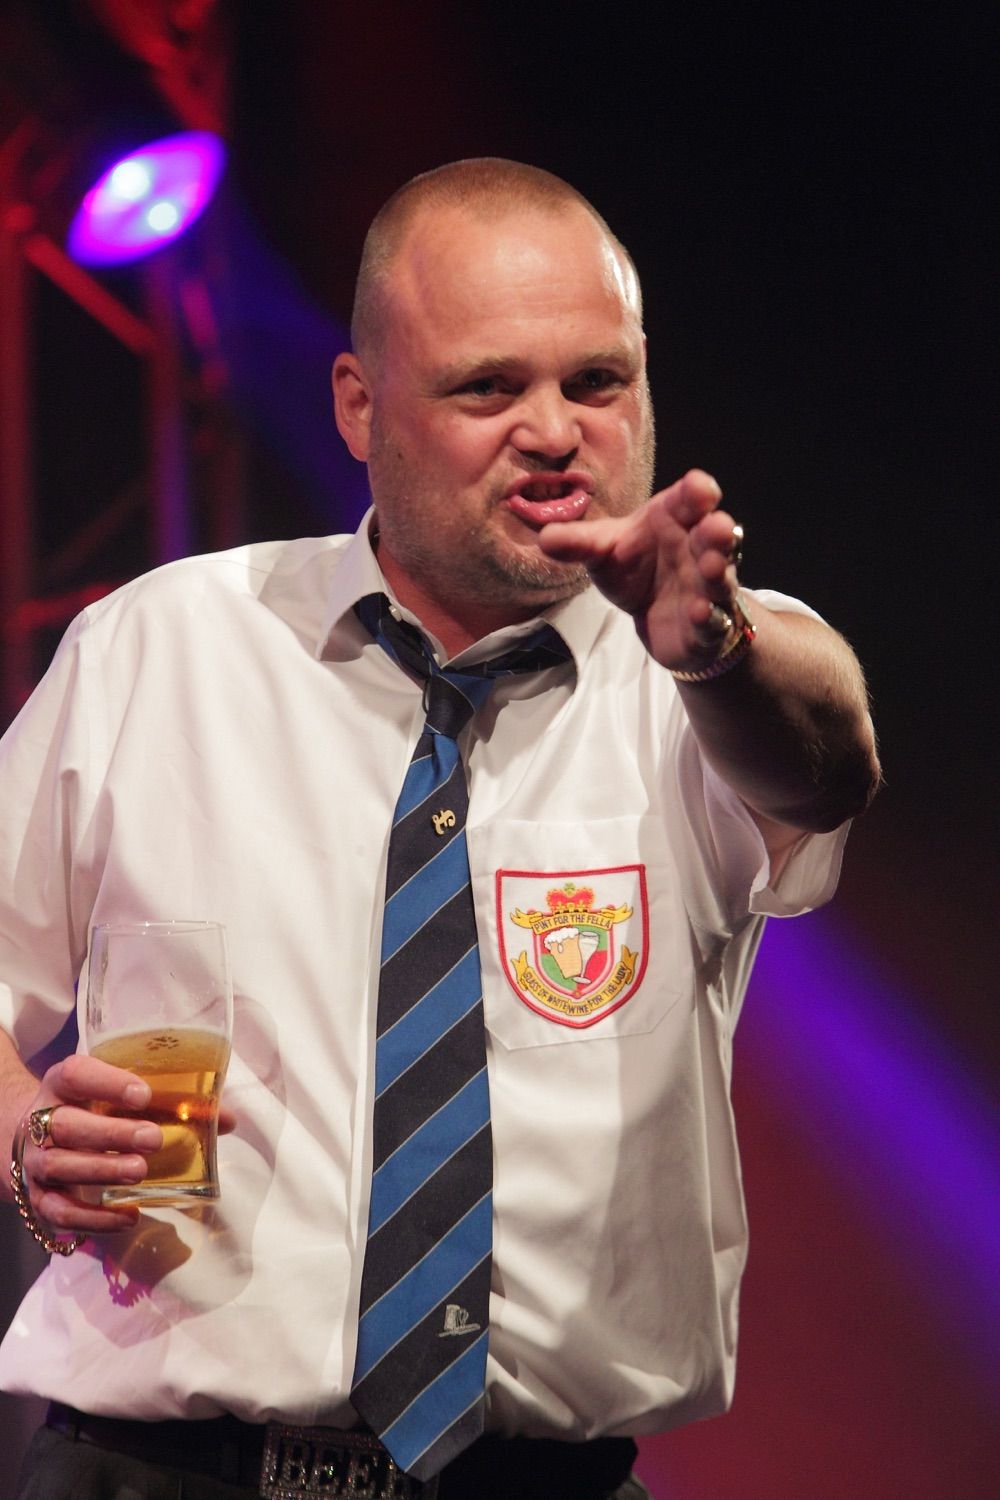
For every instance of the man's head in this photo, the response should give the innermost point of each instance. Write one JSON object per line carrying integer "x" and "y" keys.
{"x": 497, "y": 383}
{"x": 489, "y": 187}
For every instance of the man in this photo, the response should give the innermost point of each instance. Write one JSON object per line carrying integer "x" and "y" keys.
{"x": 227, "y": 738}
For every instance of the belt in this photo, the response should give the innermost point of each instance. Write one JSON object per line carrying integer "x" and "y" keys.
{"x": 298, "y": 1463}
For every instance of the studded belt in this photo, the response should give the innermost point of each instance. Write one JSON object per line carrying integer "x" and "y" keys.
{"x": 323, "y": 1463}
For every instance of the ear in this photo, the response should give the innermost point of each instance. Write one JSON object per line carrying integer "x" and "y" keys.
{"x": 352, "y": 404}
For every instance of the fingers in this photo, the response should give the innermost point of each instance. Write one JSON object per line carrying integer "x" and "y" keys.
{"x": 74, "y": 1131}
{"x": 587, "y": 542}
{"x": 716, "y": 544}
{"x": 84, "y": 1080}
{"x": 65, "y": 1181}
{"x": 671, "y": 564}
{"x": 88, "y": 1149}
{"x": 691, "y": 498}
{"x": 85, "y": 1144}
{"x": 65, "y": 1186}
{"x": 62, "y": 1212}
{"x": 690, "y": 504}
{"x": 684, "y": 504}
{"x": 714, "y": 537}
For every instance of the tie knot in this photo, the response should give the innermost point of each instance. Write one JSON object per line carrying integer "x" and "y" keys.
{"x": 451, "y": 696}
{"x": 448, "y": 706}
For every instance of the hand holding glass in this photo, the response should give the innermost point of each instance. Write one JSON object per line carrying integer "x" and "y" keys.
{"x": 160, "y": 1003}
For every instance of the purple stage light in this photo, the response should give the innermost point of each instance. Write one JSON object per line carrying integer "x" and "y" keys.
{"x": 881, "y": 1096}
{"x": 146, "y": 199}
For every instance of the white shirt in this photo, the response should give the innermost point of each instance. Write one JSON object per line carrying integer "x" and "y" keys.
{"x": 221, "y": 740}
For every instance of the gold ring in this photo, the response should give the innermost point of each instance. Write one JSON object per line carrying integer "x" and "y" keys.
{"x": 40, "y": 1126}
{"x": 736, "y": 546}
{"x": 719, "y": 622}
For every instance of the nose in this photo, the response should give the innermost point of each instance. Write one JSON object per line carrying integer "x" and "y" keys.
{"x": 546, "y": 427}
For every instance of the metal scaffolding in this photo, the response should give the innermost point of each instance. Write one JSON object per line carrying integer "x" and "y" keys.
{"x": 187, "y": 493}
{"x": 182, "y": 378}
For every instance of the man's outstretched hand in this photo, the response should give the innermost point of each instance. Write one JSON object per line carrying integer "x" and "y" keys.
{"x": 666, "y": 565}
{"x": 789, "y": 730}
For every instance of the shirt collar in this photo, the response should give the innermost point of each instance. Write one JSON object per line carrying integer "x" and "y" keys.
{"x": 356, "y": 574}
{"x": 578, "y": 620}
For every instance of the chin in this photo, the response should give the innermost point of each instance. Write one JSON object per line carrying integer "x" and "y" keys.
{"x": 534, "y": 579}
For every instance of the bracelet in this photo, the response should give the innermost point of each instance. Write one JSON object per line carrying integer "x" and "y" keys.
{"x": 734, "y": 653}
{"x": 48, "y": 1242}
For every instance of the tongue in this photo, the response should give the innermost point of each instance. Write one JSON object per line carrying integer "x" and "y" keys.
{"x": 570, "y": 507}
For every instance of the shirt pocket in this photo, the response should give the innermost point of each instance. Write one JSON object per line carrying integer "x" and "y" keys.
{"x": 582, "y": 929}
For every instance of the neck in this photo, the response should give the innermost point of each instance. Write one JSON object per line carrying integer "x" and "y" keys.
{"x": 456, "y": 624}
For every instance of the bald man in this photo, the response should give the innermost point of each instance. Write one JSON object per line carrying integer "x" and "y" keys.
{"x": 672, "y": 760}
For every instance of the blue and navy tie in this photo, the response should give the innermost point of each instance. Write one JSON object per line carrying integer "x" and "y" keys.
{"x": 419, "y": 1377}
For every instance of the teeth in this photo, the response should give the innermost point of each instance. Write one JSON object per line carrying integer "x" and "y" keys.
{"x": 541, "y": 491}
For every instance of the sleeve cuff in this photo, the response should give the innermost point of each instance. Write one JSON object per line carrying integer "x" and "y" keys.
{"x": 808, "y": 872}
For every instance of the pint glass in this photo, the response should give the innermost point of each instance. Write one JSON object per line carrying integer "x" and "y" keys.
{"x": 159, "y": 1003}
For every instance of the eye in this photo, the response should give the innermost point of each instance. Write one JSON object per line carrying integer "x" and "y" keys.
{"x": 486, "y": 393}
{"x": 485, "y": 385}
{"x": 593, "y": 382}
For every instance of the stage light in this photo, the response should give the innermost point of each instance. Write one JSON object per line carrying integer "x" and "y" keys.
{"x": 130, "y": 180}
{"x": 145, "y": 199}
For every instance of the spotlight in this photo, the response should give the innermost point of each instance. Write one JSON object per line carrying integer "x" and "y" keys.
{"x": 146, "y": 198}
{"x": 115, "y": 151}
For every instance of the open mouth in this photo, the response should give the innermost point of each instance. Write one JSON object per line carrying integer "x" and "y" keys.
{"x": 552, "y": 497}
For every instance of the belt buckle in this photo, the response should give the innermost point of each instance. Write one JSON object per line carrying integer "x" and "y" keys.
{"x": 319, "y": 1463}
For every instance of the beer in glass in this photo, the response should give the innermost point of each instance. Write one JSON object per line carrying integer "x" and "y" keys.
{"x": 159, "y": 1003}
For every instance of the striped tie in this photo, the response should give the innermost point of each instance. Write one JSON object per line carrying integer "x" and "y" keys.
{"x": 420, "y": 1372}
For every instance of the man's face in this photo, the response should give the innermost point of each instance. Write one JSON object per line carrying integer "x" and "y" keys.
{"x": 510, "y": 391}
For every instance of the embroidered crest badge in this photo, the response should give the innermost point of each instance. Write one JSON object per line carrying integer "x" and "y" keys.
{"x": 573, "y": 945}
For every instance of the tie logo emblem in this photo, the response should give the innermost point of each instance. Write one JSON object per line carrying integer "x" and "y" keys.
{"x": 442, "y": 820}
{"x": 456, "y": 1322}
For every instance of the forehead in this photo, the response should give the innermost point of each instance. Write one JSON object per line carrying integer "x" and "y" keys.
{"x": 467, "y": 281}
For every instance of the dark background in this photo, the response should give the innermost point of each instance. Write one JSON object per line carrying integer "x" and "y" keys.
{"x": 808, "y": 201}
{"x": 809, "y": 204}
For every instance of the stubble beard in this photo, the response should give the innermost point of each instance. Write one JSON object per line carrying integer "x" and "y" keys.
{"x": 488, "y": 568}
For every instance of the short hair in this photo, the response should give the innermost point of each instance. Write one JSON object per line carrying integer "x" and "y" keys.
{"x": 489, "y": 186}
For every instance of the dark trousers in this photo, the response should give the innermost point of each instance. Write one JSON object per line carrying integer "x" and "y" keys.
{"x": 58, "y": 1467}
